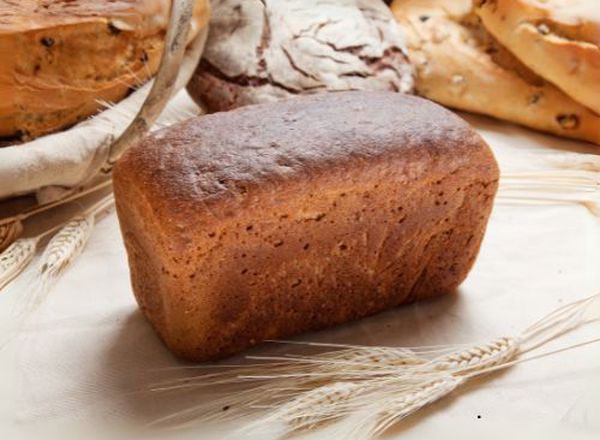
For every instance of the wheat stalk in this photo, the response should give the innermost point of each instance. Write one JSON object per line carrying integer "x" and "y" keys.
{"x": 365, "y": 389}
{"x": 16, "y": 258}
{"x": 60, "y": 252}
{"x": 584, "y": 162}
{"x": 62, "y": 249}
{"x": 11, "y": 228}
{"x": 379, "y": 415}
{"x": 413, "y": 385}
{"x": 577, "y": 181}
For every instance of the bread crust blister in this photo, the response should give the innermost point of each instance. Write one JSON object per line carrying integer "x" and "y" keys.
{"x": 460, "y": 65}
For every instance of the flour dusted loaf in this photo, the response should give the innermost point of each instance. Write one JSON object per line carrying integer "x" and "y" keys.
{"x": 60, "y": 58}
{"x": 266, "y": 50}
{"x": 460, "y": 64}
{"x": 274, "y": 219}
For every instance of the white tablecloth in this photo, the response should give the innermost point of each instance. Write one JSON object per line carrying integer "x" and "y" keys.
{"x": 74, "y": 371}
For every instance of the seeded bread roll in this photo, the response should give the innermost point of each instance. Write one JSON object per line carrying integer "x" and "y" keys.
{"x": 460, "y": 65}
{"x": 59, "y": 59}
{"x": 557, "y": 39}
{"x": 279, "y": 218}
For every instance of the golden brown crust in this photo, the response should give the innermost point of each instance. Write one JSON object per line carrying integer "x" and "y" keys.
{"x": 460, "y": 65}
{"x": 312, "y": 212}
{"x": 59, "y": 59}
{"x": 558, "y": 39}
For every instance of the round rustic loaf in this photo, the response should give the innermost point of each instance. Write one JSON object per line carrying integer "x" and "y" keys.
{"x": 60, "y": 58}
{"x": 266, "y": 50}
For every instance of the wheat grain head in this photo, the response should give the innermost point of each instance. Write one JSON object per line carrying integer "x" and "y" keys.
{"x": 15, "y": 259}
{"x": 382, "y": 414}
{"x": 60, "y": 252}
{"x": 479, "y": 357}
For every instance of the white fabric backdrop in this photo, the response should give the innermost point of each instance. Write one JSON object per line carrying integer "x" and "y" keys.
{"x": 73, "y": 372}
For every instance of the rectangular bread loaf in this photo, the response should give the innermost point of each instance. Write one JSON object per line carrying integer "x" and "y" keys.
{"x": 271, "y": 220}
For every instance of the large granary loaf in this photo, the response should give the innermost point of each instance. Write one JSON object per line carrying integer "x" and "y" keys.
{"x": 274, "y": 219}
{"x": 60, "y": 59}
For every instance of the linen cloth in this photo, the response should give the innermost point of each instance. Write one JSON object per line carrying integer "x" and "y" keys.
{"x": 68, "y": 158}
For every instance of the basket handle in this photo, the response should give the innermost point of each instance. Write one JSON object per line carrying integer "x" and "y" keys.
{"x": 165, "y": 80}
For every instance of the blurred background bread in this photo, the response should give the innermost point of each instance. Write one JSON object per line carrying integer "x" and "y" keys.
{"x": 261, "y": 51}
{"x": 460, "y": 65}
{"x": 59, "y": 59}
{"x": 558, "y": 39}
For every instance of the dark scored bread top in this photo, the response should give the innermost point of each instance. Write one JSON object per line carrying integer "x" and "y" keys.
{"x": 204, "y": 159}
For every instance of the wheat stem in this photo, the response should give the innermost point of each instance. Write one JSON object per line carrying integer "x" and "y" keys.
{"x": 165, "y": 80}
{"x": 46, "y": 206}
{"x": 11, "y": 228}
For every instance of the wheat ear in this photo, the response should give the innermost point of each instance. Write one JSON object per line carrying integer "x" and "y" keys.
{"x": 412, "y": 385}
{"x": 479, "y": 357}
{"x": 16, "y": 258}
{"x": 33, "y": 286}
{"x": 367, "y": 389}
{"x": 375, "y": 417}
{"x": 62, "y": 249}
